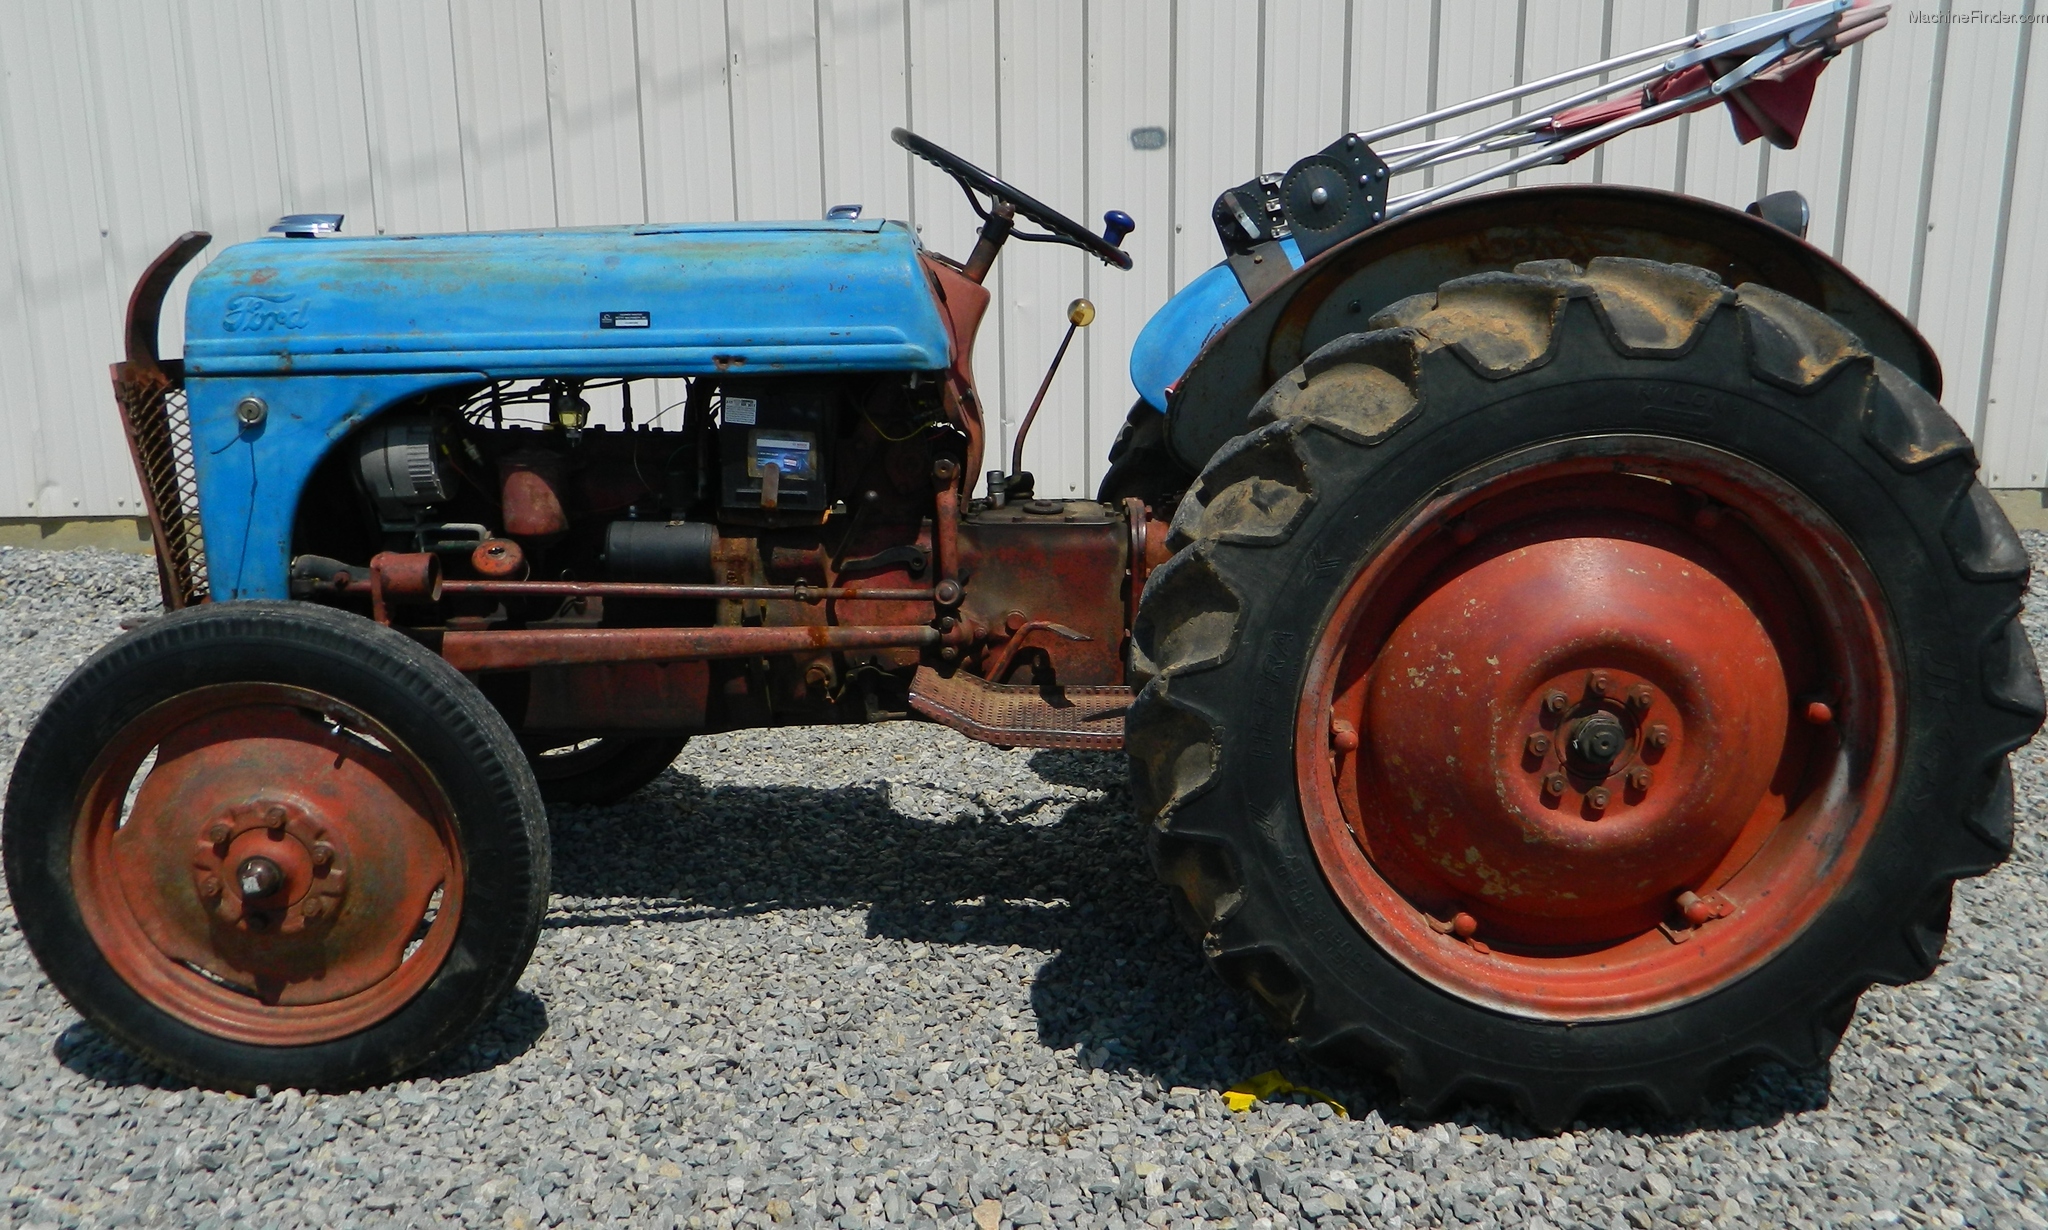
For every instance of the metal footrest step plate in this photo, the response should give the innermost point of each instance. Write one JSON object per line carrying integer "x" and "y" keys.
{"x": 1015, "y": 715}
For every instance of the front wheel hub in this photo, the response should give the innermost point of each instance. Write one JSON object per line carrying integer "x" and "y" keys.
{"x": 1575, "y": 705}
{"x": 1596, "y": 740}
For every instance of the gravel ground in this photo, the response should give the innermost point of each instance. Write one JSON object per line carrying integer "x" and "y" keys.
{"x": 874, "y": 976}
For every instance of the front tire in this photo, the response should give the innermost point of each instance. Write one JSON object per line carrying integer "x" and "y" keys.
{"x": 1586, "y": 684}
{"x": 274, "y": 844}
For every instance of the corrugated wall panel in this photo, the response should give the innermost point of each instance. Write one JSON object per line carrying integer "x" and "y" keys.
{"x": 686, "y": 110}
{"x": 1042, "y": 71}
{"x": 1215, "y": 133}
{"x": 954, "y": 101}
{"x": 62, "y": 254}
{"x": 415, "y": 121}
{"x": 594, "y": 111}
{"x": 774, "y": 56}
{"x": 2015, "y": 440}
{"x": 1130, "y": 86}
{"x": 1899, "y": 72}
{"x": 1955, "y": 277}
{"x": 22, "y": 411}
{"x": 501, "y": 92}
{"x": 862, "y": 81}
{"x": 121, "y": 126}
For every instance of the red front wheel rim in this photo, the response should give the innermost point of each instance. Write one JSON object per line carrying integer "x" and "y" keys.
{"x": 1600, "y": 729}
{"x": 285, "y": 872}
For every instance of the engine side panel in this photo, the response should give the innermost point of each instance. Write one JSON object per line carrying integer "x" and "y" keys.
{"x": 1338, "y": 292}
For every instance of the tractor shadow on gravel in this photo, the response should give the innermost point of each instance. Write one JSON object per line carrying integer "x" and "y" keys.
{"x": 509, "y": 1033}
{"x": 1121, "y": 985}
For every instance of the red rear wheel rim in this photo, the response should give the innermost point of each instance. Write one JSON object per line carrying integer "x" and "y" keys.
{"x": 1600, "y": 729}
{"x": 287, "y": 872}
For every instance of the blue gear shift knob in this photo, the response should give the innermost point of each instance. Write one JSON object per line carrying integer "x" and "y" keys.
{"x": 1115, "y": 225}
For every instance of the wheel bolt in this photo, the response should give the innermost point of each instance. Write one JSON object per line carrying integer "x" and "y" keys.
{"x": 209, "y": 887}
{"x": 310, "y": 908}
{"x": 273, "y": 819}
{"x": 1657, "y": 736}
{"x": 1639, "y": 778}
{"x": 1539, "y": 744}
{"x": 323, "y": 855}
{"x": 218, "y": 832}
{"x": 1640, "y": 696}
{"x": 1464, "y": 926}
{"x": 1597, "y": 797}
{"x": 1554, "y": 784}
{"x": 1556, "y": 701}
{"x": 1599, "y": 683}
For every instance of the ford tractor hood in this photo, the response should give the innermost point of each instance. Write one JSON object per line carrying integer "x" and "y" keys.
{"x": 669, "y": 300}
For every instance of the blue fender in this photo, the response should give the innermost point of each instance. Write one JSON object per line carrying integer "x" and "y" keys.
{"x": 1177, "y": 332}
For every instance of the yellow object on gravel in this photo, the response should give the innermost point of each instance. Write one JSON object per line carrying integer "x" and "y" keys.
{"x": 1240, "y": 1097}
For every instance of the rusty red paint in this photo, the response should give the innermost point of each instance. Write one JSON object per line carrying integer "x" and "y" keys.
{"x": 402, "y": 577}
{"x": 360, "y": 832}
{"x": 1066, "y": 564}
{"x": 657, "y": 589}
{"x": 531, "y": 482}
{"x": 521, "y": 649}
{"x": 1471, "y": 790}
{"x": 499, "y": 559}
{"x": 604, "y": 698}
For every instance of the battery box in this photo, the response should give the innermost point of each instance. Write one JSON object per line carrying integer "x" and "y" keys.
{"x": 775, "y": 425}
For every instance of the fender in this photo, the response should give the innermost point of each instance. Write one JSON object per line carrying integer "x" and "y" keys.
{"x": 1338, "y": 291}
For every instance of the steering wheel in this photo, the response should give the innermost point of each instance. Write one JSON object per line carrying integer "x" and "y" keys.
{"x": 973, "y": 179}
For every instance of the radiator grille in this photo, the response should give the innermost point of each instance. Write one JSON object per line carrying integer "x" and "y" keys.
{"x": 153, "y": 412}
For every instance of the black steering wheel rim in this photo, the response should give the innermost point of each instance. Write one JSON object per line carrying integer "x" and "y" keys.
{"x": 974, "y": 179}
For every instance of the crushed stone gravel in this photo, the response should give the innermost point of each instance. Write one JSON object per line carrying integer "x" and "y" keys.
{"x": 886, "y": 976}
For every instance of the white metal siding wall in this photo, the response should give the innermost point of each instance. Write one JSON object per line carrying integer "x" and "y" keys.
{"x": 122, "y": 125}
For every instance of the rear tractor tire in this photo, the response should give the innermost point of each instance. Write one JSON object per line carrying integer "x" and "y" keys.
{"x": 1582, "y": 686}
{"x": 264, "y": 843}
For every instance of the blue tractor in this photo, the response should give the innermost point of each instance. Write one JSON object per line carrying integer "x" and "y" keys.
{"x": 1560, "y": 642}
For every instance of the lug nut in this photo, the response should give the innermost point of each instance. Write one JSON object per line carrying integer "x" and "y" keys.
{"x": 323, "y": 856}
{"x": 1640, "y": 696}
{"x": 1556, "y": 701}
{"x": 1657, "y": 736}
{"x": 1539, "y": 744}
{"x": 273, "y": 819}
{"x": 1695, "y": 908}
{"x": 311, "y": 908}
{"x": 1597, "y": 797}
{"x": 209, "y": 887}
{"x": 1639, "y": 778}
{"x": 218, "y": 832}
{"x": 1554, "y": 784}
{"x": 1464, "y": 926}
{"x": 1599, "y": 683}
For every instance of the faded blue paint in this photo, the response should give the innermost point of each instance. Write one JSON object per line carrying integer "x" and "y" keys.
{"x": 328, "y": 332}
{"x": 753, "y": 297}
{"x": 250, "y": 477}
{"x": 1177, "y": 332}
